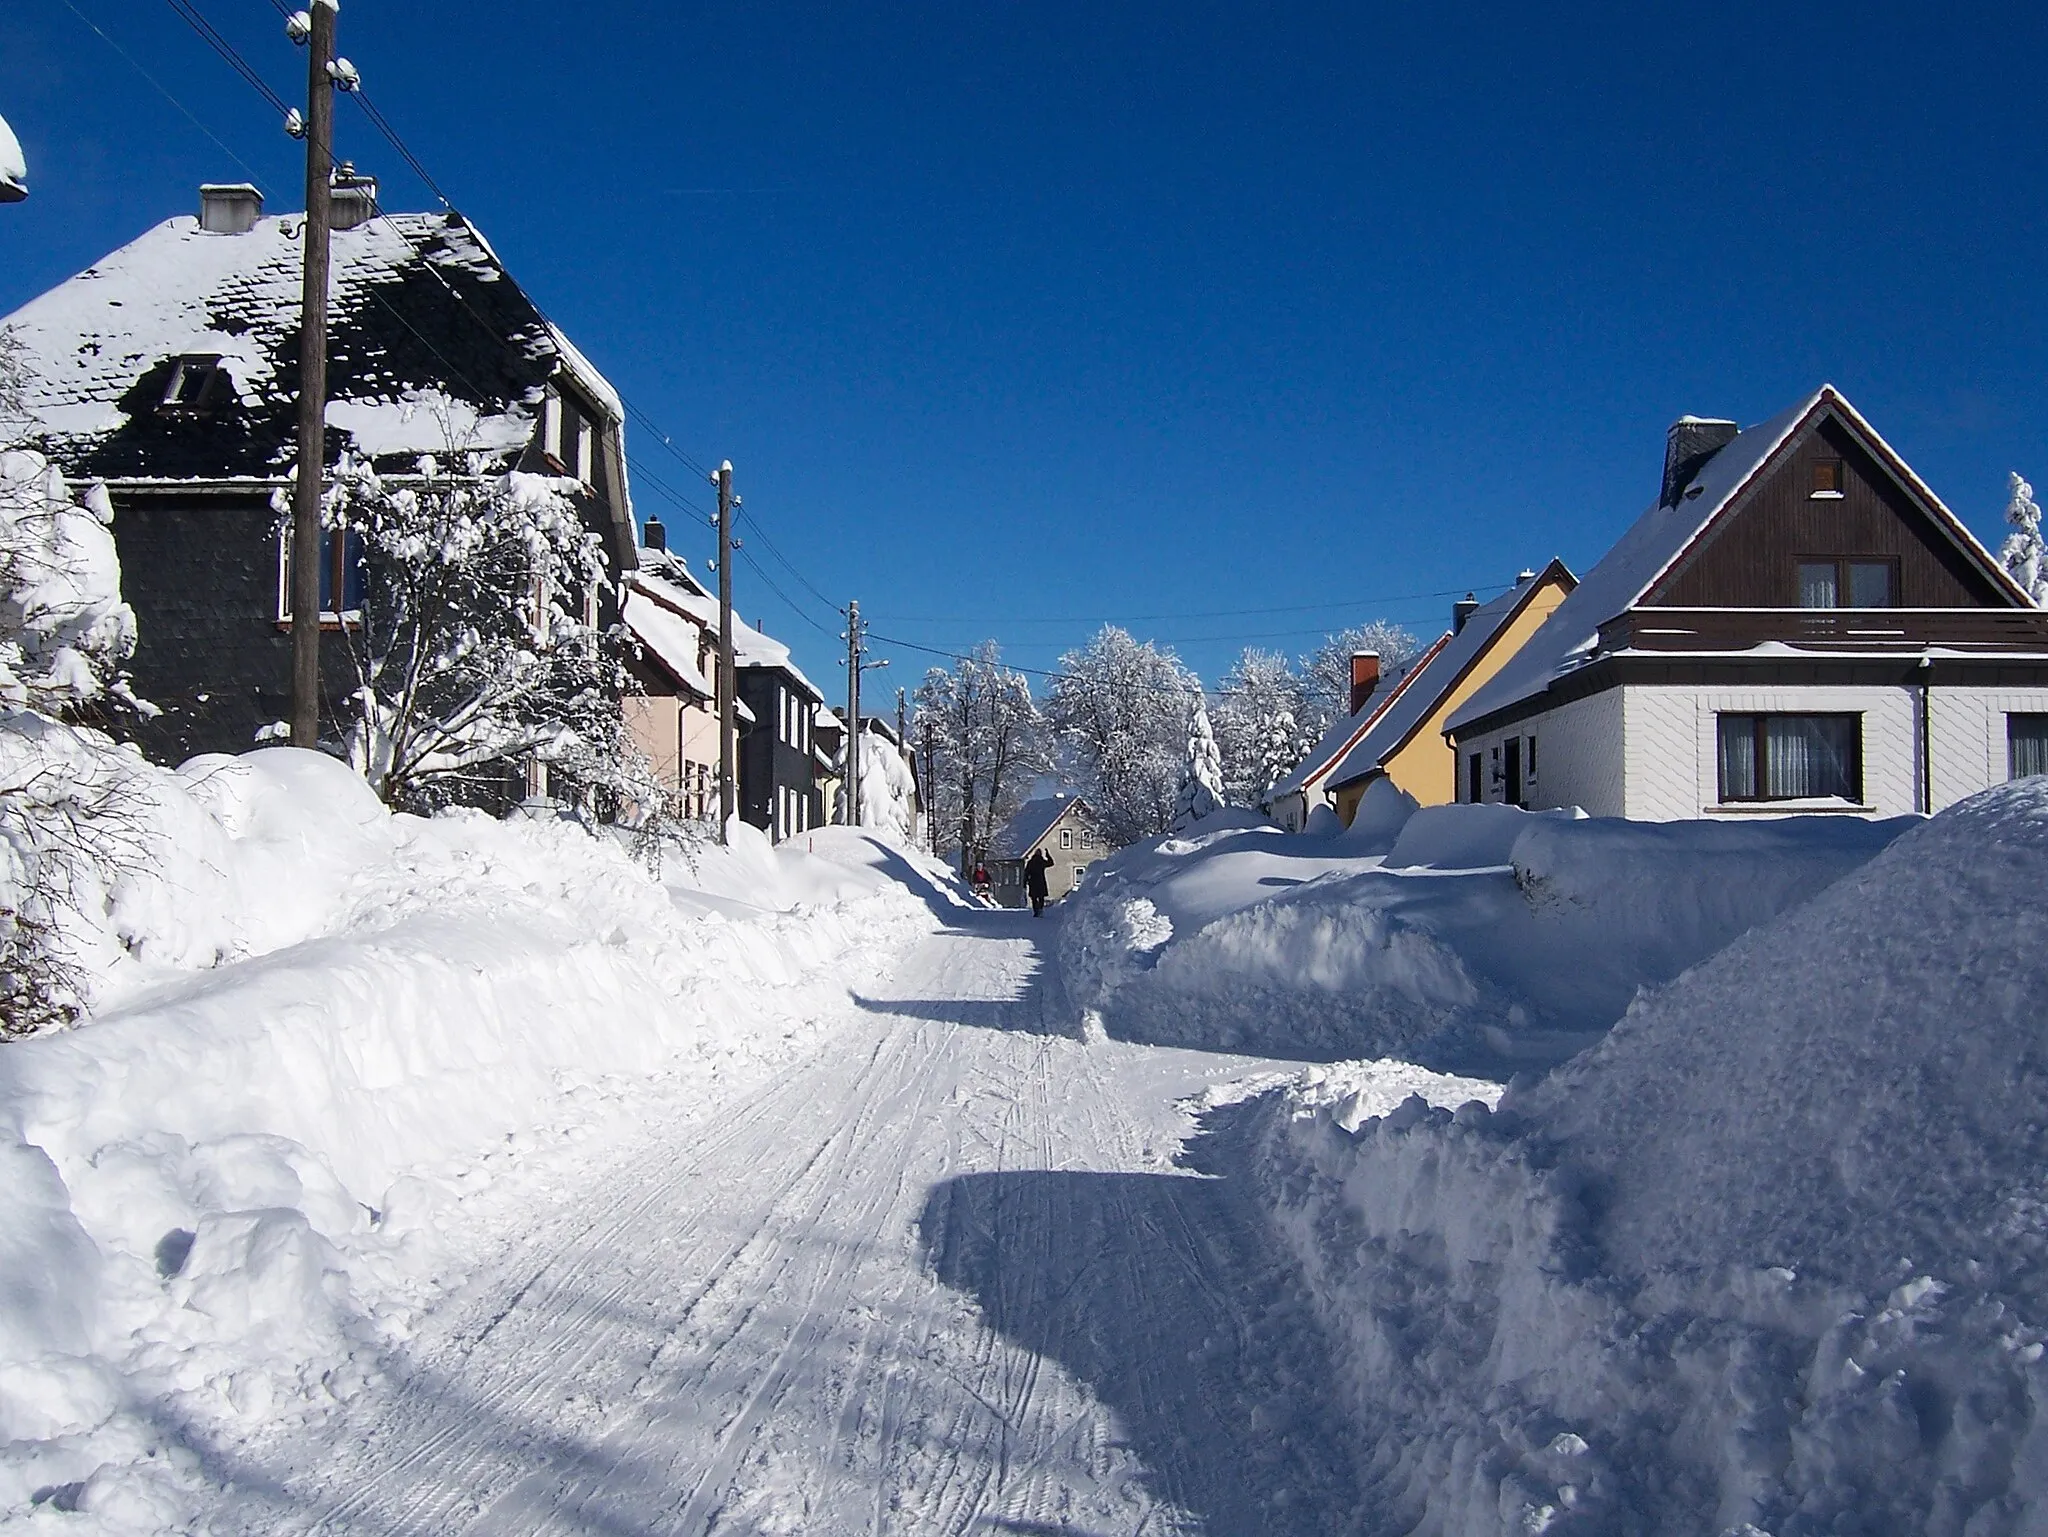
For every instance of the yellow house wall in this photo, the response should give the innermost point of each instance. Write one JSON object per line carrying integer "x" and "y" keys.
{"x": 1425, "y": 766}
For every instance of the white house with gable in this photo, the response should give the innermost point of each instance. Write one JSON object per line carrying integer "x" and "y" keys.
{"x": 1796, "y": 625}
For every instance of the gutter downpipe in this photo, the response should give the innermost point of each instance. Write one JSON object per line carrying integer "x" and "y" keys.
{"x": 1926, "y": 671}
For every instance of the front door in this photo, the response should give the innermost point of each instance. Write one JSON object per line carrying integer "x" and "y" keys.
{"x": 1513, "y": 753}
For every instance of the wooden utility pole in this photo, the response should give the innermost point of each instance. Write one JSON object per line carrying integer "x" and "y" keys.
{"x": 306, "y": 552}
{"x": 728, "y": 681}
{"x": 853, "y": 713}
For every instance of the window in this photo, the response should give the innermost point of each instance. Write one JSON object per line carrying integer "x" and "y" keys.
{"x": 586, "y": 439}
{"x": 197, "y": 385}
{"x": 1066, "y": 837}
{"x": 1532, "y": 757}
{"x": 1087, "y": 837}
{"x": 1474, "y": 780}
{"x": 1791, "y": 757}
{"x": 1864, "y": 581}
{"x": 551, "y": 426}
{"x": 1827, "y": 477}
{"x": 341, "y": 572}
{"x": 2026, "y": 745}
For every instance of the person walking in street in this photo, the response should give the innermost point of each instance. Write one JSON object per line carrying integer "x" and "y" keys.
{"x": 1034, "y": 880}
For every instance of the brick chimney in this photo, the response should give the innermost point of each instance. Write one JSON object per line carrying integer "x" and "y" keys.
{"x": 229, "y": 209}
{"x": 1365, "y": 677}
{"x": 654, "y": 536}
{"x": 1690, "y": 443}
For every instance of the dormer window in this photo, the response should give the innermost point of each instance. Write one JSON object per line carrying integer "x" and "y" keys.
{"x": 1827, "y": 478}
{"x": 197, "y": 385}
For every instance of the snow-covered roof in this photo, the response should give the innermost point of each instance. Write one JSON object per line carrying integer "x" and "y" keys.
{"x": 13, "y": 166}
{"x": 664, "y": 575}
{"x": 1657, "y": 539}
{"x": 1034, "y": 819}
{"x": 1430, "y": 680}
{"x": 668, "y": 636}
{"x": 1344, "y": 733}
{"x": 432, "y": 345}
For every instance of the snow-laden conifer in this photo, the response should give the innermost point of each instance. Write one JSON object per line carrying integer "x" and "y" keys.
{"x": 2022, "y": 552}
{"x": 1201, "y": 785}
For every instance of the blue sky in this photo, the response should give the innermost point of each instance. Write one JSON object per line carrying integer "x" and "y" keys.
{"x": 1018, "y": 318}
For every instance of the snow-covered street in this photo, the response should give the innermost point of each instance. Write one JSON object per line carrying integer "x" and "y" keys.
{"x": 944, "y": 1277}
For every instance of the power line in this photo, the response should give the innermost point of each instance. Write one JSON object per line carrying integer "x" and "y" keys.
{"x": 164, "y": 91}
{"x": 220, "y": 45}
{"x": 1212, "y": 613}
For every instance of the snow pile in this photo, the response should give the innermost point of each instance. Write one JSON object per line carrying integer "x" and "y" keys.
{"x": 1772, "y": 1258}
{"x": 313, "y": 1021}
{"x": 1487, "y": 937}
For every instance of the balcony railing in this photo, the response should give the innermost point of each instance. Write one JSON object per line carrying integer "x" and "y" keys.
{"x": 1828, "y": 629}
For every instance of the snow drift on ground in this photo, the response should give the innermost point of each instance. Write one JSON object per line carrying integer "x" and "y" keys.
{"x": 1771, "y": 1258}
{"x": 313, "y": 1023}
{"x": 1476, "y": 937}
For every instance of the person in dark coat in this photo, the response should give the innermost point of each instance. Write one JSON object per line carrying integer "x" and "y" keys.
{"x": 1034, "y": 880}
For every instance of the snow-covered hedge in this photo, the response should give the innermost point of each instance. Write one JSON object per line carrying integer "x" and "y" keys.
{"x": 1772, "y": 1258}
{"x": 309, "y": 1017}
{"x": 1467, "y": 933}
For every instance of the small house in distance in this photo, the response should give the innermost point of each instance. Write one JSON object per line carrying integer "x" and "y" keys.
{"x": 1065, "y": 828}
{"x": 1797, "y": 623}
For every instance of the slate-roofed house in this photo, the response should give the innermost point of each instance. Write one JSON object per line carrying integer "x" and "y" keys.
{"x": 1797, "y": 623}
{"x": 780, "y": 758}
{"x": 169, "y": 369}
{"x": 1063, "y": 826}
{"x": 1404, "y": 743}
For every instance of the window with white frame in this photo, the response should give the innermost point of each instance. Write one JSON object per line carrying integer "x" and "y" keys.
{"x": 586, "y": 450}
{"x": 551, "y": 426}
{"x": 1790, "y": 757}
{"x": 1066, "y": 837}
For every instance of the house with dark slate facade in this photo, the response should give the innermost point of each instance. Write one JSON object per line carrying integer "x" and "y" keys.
{"x": 169, "y": 371}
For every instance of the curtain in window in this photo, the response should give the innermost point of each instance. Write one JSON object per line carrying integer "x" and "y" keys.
{"x": 1738, "y": 758}
{"x": 1808, "y": 756}
{"x": 1817, "y": 584}
{"x": 2027, "y": 741}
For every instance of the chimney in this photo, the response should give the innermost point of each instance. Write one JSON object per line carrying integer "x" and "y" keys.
{"x": 1690, "y": 443}
{"x": 1462, "y": 610}
{"x": 1365, "y": 677}
{"x": 654, "y": 537}
{"x": 354, "y": 198}
{"x": 229, "y": 209}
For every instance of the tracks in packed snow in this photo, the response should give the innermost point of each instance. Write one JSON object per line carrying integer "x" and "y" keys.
{"x": 943, "y": 1280}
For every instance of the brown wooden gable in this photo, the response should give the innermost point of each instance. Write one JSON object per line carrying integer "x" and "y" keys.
{"x": 1748, "y": 557}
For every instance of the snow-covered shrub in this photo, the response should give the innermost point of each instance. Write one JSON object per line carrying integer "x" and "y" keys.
{"x": 65, "y": 634}
{"x": 888, "y": 790}
{"x": 477, "y": 645}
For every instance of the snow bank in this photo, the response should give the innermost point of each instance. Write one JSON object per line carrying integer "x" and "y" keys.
{"x": 1772, "y": 1258}
{"x": 1486, "y": 937}
{"x": 222, "y": 1192}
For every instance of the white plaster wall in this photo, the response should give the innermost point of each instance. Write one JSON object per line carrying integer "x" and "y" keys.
{"x": 1578, "y": 756}
{"x": 1968, "y": 731}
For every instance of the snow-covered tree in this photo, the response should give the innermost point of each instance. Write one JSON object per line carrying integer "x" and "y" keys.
{"x": 1257, "y": 720}
{"x": 1120, "y": 708}
{"x": 477, "y": 646}
{"x": 1326, "y": 671}
{"x": 2022, "y": 552}
{"x": 979, "y": 734}
{"x": 888, "y": 790}
{"x": 1201, "y": 781}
